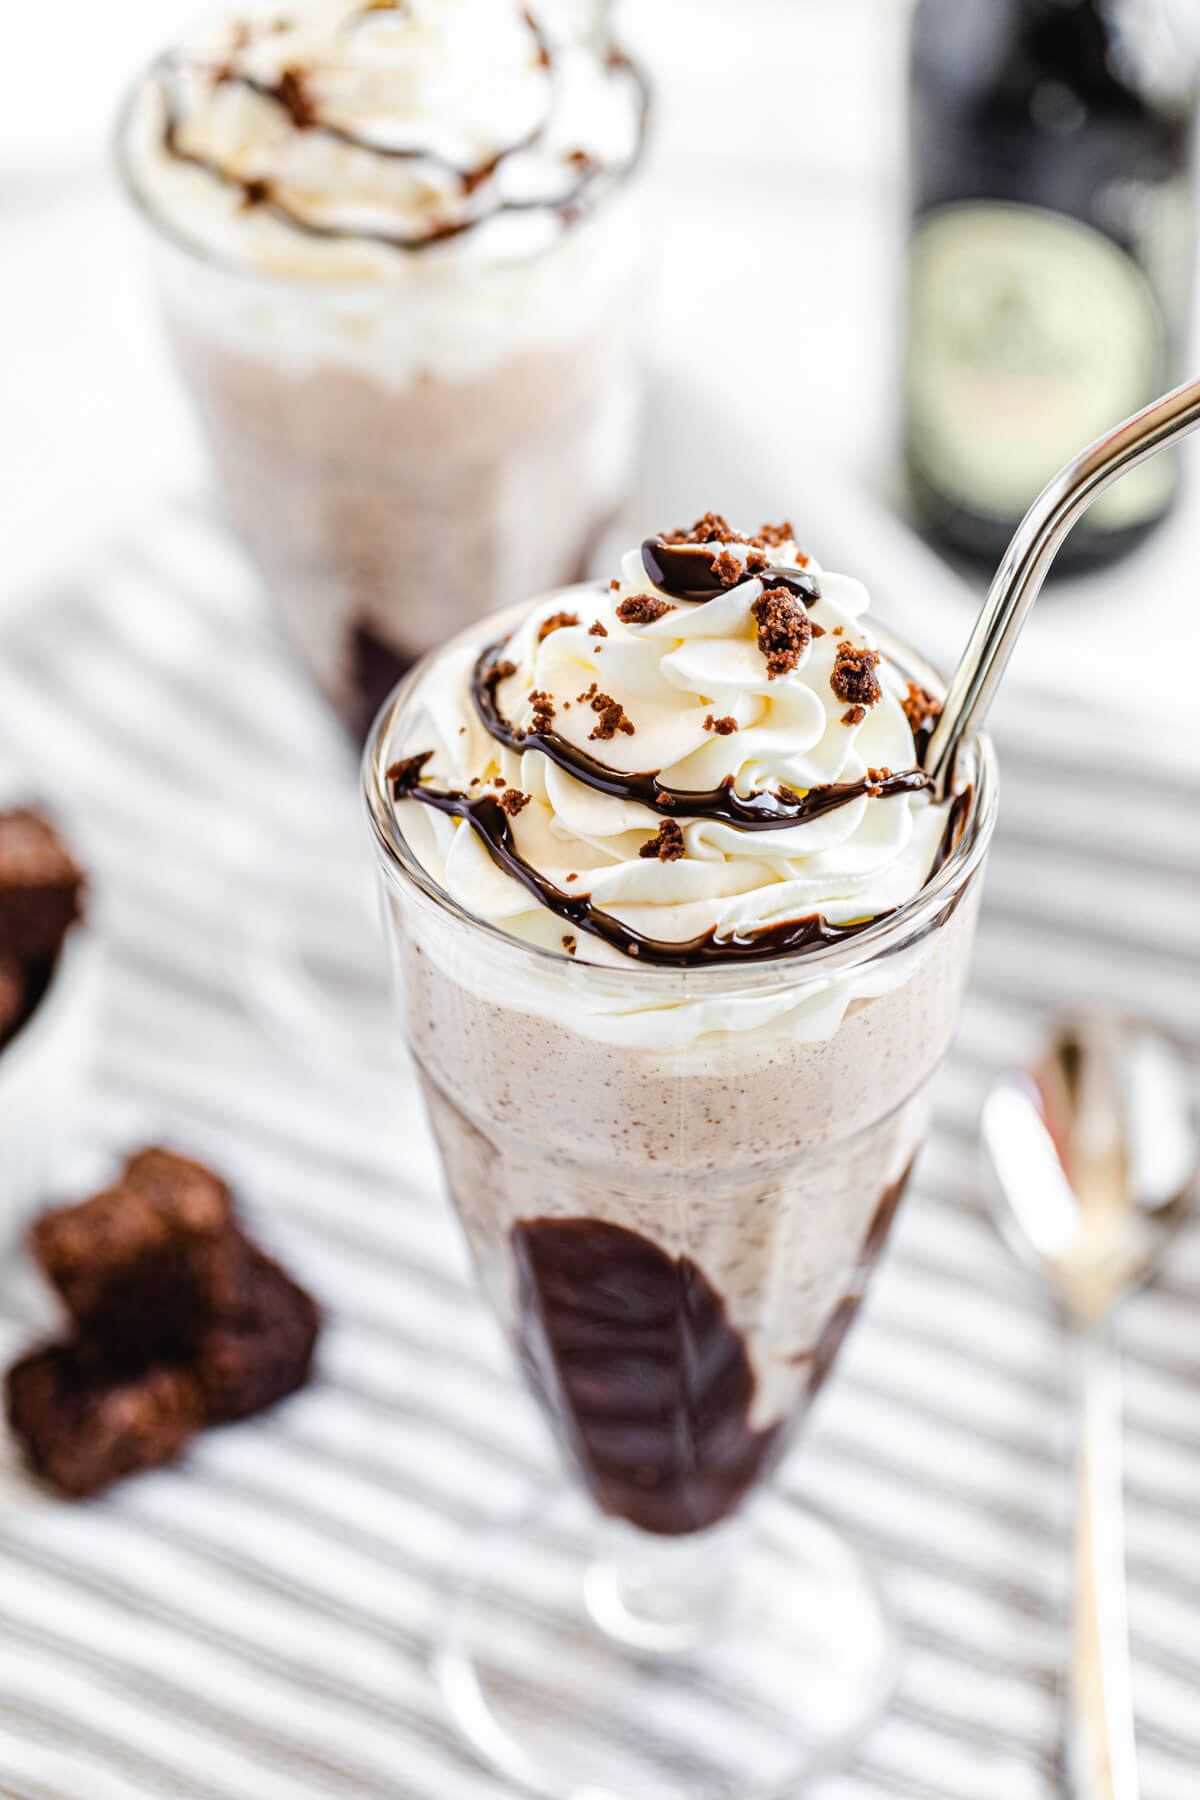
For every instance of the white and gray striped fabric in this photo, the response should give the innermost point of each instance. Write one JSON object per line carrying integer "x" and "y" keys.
{"x": 255, "y": 1625}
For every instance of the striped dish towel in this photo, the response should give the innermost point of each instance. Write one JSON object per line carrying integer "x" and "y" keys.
{"x": 255, "y": 1625}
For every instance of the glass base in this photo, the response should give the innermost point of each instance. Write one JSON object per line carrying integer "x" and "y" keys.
{"x": 565, "y": 1668}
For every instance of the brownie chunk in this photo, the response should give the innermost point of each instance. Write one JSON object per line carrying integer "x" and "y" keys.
{"x": 41, "y": 889}
{"x": 261, "y": 1349}
{"x": 139, "y": 1266}
{"x": 81, "y": 1428}
{"x": 12, "y": 996}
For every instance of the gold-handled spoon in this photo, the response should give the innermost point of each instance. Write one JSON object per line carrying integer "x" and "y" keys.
{"x": 1090, "y": 1159}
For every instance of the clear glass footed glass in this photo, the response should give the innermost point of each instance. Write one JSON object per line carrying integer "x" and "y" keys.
{"x": 675, "y": 1185}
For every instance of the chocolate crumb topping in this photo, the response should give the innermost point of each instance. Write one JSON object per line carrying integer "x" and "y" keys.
{"x": 770, "y": 537}
{"x": 854, "y": 679}
{"x": 291, "y": 91}
{"x": 502, "y": 670}
{"x": 255, "y": 193}
{"x": 513, "y": 801}
{"x": 569, "y": 943}
{"x": 728, "y": 570}
{"x": 711, "y": 529}
{"x": 543, "y": 709}
{"x": 784, "y": 630}
{"x": 614, "y": 586}
{"x": 555, "y": 622}
{"x": 642, "y": 609}
{"x": 920, "y": 707}
{"x": 723, "y": 727}
{"x": 597, "y": 628}
{"x": 584, "y": 698}
{"x": 612, "y": 718}
{"x": 667, "y": 846}
{"x": 854, "y": 715}
{"x": 405, "y": 774}
{"x": 756, "y": 563}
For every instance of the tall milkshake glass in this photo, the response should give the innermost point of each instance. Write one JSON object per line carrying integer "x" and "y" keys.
{"x": 398, "y": 248}
{"x": 676, "y": 1166}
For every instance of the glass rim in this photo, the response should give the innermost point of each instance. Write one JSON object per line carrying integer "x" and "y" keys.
{"x": 444, "y": 270}
{"x": 889, "y": 933}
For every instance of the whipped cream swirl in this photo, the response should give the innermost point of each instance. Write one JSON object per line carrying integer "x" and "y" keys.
{"x": 632, "y": 773}
{"x": 333, "y": 138}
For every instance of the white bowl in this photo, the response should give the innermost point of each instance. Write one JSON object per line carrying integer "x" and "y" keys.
{"x": 44, "y": 1074}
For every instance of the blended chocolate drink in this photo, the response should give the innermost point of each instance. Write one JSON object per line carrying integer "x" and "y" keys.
{"x": 398, "y": 247}
{"x": 682, "y": 938}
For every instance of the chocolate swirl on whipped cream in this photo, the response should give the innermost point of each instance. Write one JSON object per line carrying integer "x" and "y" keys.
{"x": 487, "y": 817}
{"x": 665, "y": 667}
{"x": 764, "y": 811}
{"x": 266, "y": 166}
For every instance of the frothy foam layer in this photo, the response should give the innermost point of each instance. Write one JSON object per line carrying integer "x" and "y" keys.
{"x": 631, "y": 775}
{"x": 334, "y": 140}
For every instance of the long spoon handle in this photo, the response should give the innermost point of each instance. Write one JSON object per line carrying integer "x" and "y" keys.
{"x": 1027, "y": 560}
{"x": 1100, "y": 1759}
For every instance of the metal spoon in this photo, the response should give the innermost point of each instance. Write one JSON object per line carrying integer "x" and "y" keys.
{"x": 1027, "y": 561}
{"x": 1091, "y": 1157}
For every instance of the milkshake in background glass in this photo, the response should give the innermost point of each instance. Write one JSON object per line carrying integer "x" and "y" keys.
{"x": 682, "y": 940}
{"x": 399, "y": 251}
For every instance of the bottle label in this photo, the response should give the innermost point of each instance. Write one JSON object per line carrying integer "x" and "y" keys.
{"x": 1029, "y": 335}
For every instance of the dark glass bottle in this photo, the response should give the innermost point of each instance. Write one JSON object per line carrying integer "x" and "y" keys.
{"x": 1051, "y": 258}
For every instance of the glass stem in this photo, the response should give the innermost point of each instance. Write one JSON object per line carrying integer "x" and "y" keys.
{"x": 664, "y": 1595}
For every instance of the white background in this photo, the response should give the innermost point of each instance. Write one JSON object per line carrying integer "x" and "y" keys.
{"x": 777, "y": 258}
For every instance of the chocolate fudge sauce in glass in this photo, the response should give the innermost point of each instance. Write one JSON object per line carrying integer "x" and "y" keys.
{"x": 398, "y": 249}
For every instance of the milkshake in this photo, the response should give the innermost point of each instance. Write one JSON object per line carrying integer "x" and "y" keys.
{"x": 398, "y": 248}
{"x": 682, "y": 939}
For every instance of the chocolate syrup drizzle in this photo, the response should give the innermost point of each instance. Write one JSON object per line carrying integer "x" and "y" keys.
{"x": 491, "y": 823}
{"x": 755, "y": 812}
{"x": 262, "y": 194}
{"x": 688, "y": 574}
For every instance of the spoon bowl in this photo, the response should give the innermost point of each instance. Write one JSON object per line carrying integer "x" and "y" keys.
{"x": 1090, "y": 1158}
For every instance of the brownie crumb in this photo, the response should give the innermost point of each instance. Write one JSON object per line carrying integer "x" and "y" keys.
{"x": 81, "y": 1428}
{"x": 875, "y": 779}
{"x": 556, "y": 622}
{"x": 643, "y": 609}
{"x": 41, "y": 889}
{"x": 920, "y": 707}
{"x": 772, "y": 537}
{"x": 255, "y": 193}
{"x": 839, "y": 630}
{"x": 513, "y": 801}
{"x": 406, "y": 774}
{"x": 854, "y": 715}
{"x": 569, "y": 943}
{"x": 291, "y": 91}
{"x": 728, "y": 569}
{"x": 854, "y": 679}
{"x": 711, "y": 529}
{"x": 784, "y": 630}
{"x": 543, "y": 709}
{"x": 259, "y": 1347}
{"x": 500, "y": 672}
{"x": 756, "y": 563}
{"x": 612, "y": 718}
{"x": 667, "y": 846}
{"x": 597, "y": 629}
{"x": 584, "y": 698}
{"x": 723, "y": 727}
{"x": 614, "y": 586}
